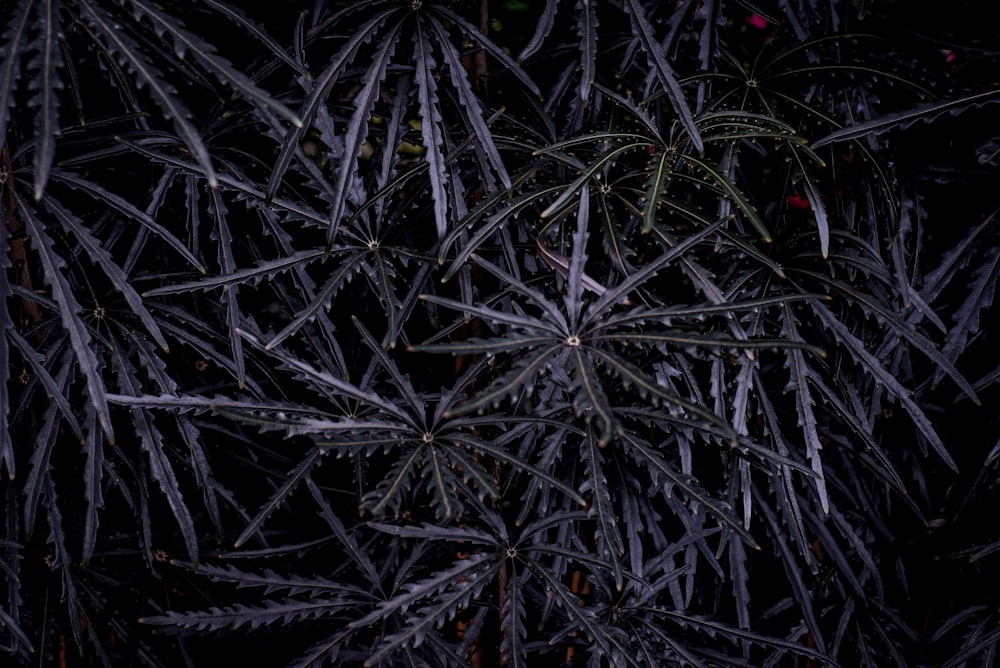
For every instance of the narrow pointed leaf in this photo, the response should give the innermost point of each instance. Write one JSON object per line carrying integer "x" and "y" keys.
{"x": 482, "y": 136}
{"x": 250, "y": 276}
{"x": 320, "y": 88}
{"x": 130, "y": 211}
{"x": 47, "y": 86}
{"x": 431, "y": 127}
{"x": 280, "y": 495}
{"x": 601, "y": 509}
{"x": 170, "y": 105}
{"x": 97, "y": 254}
{"x": 925, "y": 112}
{"x": 186, "y": 42}
{"x": 651, "y": 46}
{"x": 13, "y": 44}
{"x": 70, "y": 313}
{"x": 357, "y": 128}
{"x": 487, "y": 45}
{"x": 586, "y": 29}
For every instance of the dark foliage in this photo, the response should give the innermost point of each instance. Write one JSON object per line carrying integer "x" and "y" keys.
{"x": 439, "y": 333}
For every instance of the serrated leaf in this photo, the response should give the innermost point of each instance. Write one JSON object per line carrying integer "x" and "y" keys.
{"x": 70, "y": 312}
{"x": 54, "y": 389}
{"x": 601, "y": 508}
{"x": 816, "y": 204}
{"x": 590, "y": 396}
{"x": 14, "y": 45}
{"x": 441, "y": 581}
{"x": 234, "y": 318}
{"x": 313, "y": 586}
{"x": 186, "y": 42}
{"x": 128, "y": 52}
{"x": 280, "y": 495}
{"x": 93, "y": 477}
{"x": 925, "y": 112}
{"x": 321, "y": 301}
{"x": 47, "y": 60}
{"x": 645, "y": 456}
{"x": 587, "y": 175}
{"x": 733, "y": 193}
{"x": 473, "y": 33}
{"x": 442, "y": 608}
{"x": 586, "y": 30}
{"x": 320, "y": 88}
{"x": 129, "y": 210}
{"x": 512, "y": 622}
{"x": 472, "y": 112}
{"x": 39, "y": 471}
{"x": 643, "y": 31}
{"x": 239, "y": 615}
{"x": 357, "y": 128}
{"x": 6, "y": 324}
{"x": 97, "y": 254}
{"x": 915, "y": 338}
{"x": 238, "y": 17}
{"x": 264, "y": 270}
{"x": 798, "y": 383}
{"x": 152, "y": 442}
{"x": 431, "y": 127}
{"x": 606, "y": 639}
{"x": 981, "y": 291}
{"x": 542, "y": 29}
{"x": 521, "y": 378}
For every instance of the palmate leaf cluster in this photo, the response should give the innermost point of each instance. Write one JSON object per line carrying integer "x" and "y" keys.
{"x": 454, "y": 333}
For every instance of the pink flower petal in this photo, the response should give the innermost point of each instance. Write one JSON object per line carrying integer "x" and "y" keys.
{"x": 757, "y": 21}
{"x": 798, "y": 202}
